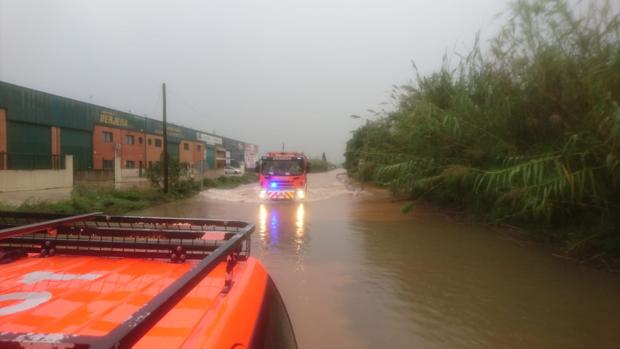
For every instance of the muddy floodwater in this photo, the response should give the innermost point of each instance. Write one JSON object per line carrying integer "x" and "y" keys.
{"x": 357, "y": 273}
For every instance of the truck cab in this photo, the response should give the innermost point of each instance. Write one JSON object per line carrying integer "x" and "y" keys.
{"x": 283, "y": 176}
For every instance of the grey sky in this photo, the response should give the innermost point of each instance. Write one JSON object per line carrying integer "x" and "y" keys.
{"x": 266, "y": 72}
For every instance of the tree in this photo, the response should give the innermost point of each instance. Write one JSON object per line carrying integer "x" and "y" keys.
{"x": 177, "y": 172}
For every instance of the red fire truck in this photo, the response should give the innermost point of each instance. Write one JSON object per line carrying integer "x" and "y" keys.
{"x": 283, "y": 176}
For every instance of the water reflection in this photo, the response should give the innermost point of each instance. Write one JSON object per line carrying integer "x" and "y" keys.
{"x": 283, "y": 226}
{"x": 299, "y": 220}
{"x": 357, "y": 272}
{"x": 262, "y": 221}
{"x": 443, "y": 284}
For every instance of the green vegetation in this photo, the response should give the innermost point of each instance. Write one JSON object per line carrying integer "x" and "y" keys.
{"x": 229, "y": 182}
{"x": 320, "y": 165}
{"x": 179, "y": 176}
{"x": 104, "y": 199}
{"x": 527, "y": 132}
{"x": 119, "y": 201}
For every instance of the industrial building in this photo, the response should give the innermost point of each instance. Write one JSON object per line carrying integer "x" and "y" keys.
{"x": 38, "y": 129}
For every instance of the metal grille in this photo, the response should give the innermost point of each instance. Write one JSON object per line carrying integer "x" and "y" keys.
{"x": 31, "y": 161}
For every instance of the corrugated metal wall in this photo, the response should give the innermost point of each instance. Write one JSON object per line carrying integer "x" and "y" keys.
{"x": 29, "y": 146}
{"x": 41, "y": 110}
{"x": 173, "y": 149}
{"x": 210, "y": 157}
{"x": 27, "y": 105}
{"x": 79, "y": 144}
{"x": 37, "y": 107}
{"x": 236, "y": 149}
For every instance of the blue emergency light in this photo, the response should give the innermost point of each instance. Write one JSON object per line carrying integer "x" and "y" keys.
{"x": 273, "y": 185}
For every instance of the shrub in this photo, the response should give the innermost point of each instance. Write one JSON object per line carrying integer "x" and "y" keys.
{"x": 528, "y": 132}
{"x": 179, "y": 176}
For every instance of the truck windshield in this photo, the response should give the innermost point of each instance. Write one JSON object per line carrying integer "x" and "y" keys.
{"x": 282, "y": 167}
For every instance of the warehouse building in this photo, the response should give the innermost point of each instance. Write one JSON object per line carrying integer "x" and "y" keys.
{"x": 38, "y": 129}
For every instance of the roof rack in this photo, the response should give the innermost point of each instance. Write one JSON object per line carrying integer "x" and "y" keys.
{"x": 210, "y": 241}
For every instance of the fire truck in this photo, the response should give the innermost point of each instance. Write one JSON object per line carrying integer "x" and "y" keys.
{"x": 283, "y": 176}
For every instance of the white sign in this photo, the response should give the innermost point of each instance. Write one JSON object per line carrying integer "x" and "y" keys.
{"x": 250, "y": 160}
{"x": 209, "y": 139}
{"x": 250, "y": 155}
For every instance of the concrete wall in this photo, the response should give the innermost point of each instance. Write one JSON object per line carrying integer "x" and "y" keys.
{"x": 127, "y": 178}
{"x": 118, "y": 174}
{"x": 93, "y": 177}
{"x": 130, "y": 173}
{"x": 17, "y": 180}
{"x": 214, "y": 173}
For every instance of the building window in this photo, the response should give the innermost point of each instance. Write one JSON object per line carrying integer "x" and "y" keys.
{"x": 140, "y": 140}
{"x": 108, "y": 164}
{"x": 150, "y": 164}
{"x": 129, "y": 139}
{"x": 149, "y": 141}
{"x": 186, "y": 146}
{"x": 198, "y": 147}
{"x": 130, "y": 164}
{"x": 107, "y": 137}
{"x": 158, "y": 142}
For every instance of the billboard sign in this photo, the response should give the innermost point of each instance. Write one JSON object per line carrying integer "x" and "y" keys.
{"x": 250, "y": 155}
{"x": 209, "y": 139}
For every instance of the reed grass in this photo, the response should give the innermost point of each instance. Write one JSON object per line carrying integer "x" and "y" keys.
{"x": 526, "y": 132}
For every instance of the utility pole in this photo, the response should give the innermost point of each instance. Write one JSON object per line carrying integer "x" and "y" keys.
{"x": 202, "y": 173}
{"x": 165, "y": 164}
{"x": 283, "y": 147}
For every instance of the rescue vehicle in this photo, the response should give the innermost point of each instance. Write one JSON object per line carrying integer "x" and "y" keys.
{"x": 283, "y": 176}
{"x": 101, "y": 282}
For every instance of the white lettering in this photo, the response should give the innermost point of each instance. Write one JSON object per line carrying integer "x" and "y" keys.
{"x": 28, "y": 300}
{"x": 37, "y": 276}
{"x": 32, "y": 299}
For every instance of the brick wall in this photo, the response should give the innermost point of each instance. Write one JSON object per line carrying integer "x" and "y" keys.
{"x": 153, "y": 151}
{"x": 191, "y": 152}
{"x": 110, "y": 141}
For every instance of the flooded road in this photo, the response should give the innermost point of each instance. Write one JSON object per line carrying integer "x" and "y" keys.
{"x": 357, "y": 273}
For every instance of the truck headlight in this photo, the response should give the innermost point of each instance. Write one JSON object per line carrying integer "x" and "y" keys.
{"x": 263, "y": 194}
{"x": 301, "y": 194}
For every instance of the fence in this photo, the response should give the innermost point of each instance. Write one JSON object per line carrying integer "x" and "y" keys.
{"x": 26, "y": 161}
{"x": 16, "y": 179}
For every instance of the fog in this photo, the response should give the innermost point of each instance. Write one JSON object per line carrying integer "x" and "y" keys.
{"x": 266, "y": 72}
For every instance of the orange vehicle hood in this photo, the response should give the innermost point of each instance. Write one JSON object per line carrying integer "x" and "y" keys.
{"x": 90, "y": 296}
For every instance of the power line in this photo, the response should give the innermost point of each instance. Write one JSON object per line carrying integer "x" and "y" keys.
{"x": 189, "y": 105}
